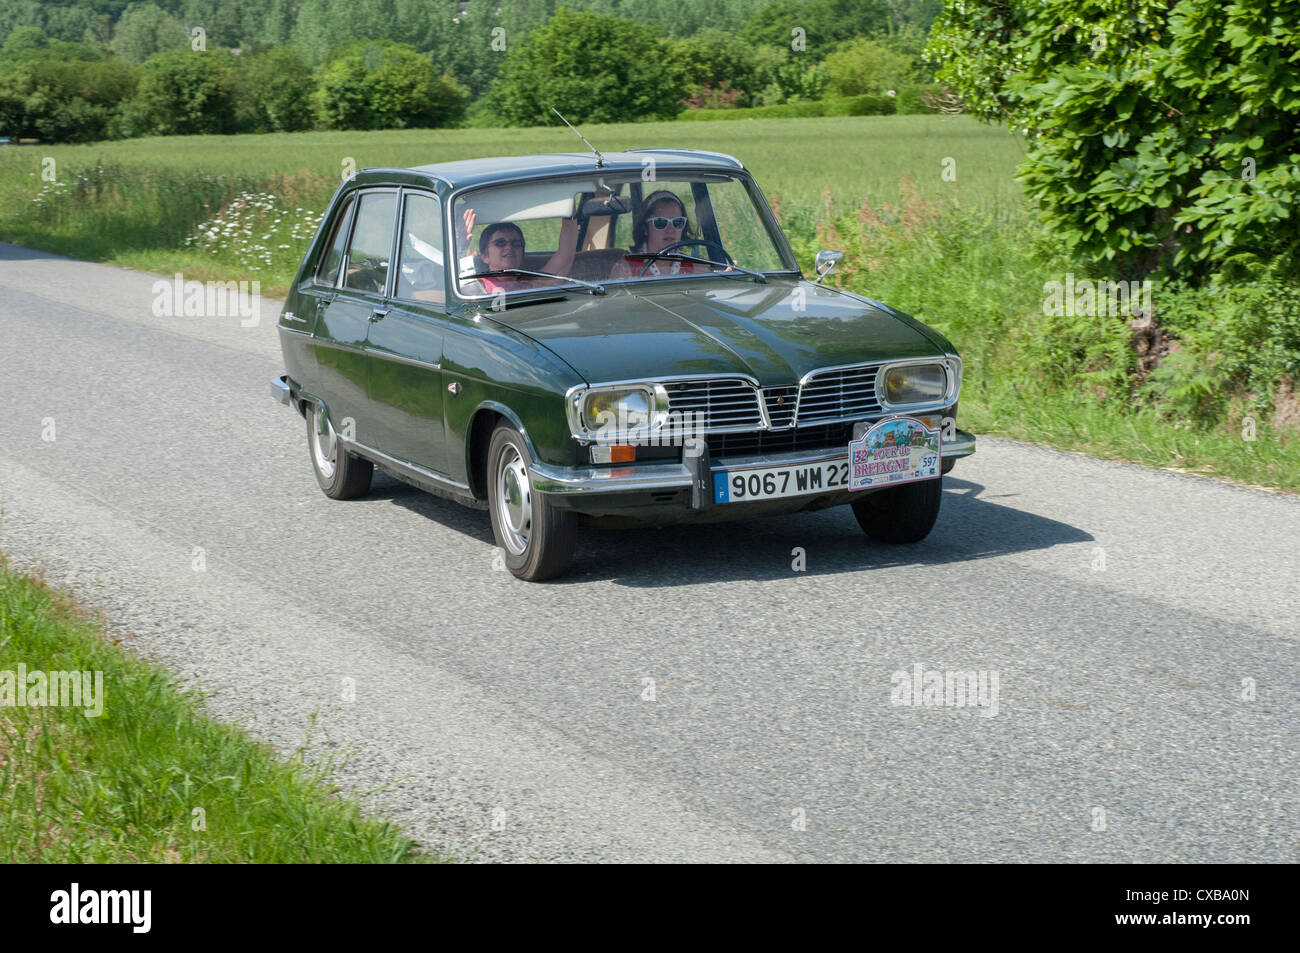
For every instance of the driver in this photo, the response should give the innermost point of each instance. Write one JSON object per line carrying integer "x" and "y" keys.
{"x": 661, "y": 223}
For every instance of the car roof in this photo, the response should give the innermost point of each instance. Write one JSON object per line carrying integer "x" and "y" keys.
{"x": 478, "y": 171}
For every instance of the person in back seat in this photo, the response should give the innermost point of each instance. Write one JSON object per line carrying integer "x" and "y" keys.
{"x": 501, "y": 246}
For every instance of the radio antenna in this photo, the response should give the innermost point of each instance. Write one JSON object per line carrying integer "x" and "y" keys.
{"x": 600, "y": 159}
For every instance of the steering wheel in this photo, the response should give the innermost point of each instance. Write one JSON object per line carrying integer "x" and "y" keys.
{"x": 705, "y": 243}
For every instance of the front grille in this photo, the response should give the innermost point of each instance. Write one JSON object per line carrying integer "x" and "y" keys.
{"x": 836, "y": 394}
{"x": 723, "y": 402}
{"x": 826, "y": 437}
{"x": 780, "y": 405}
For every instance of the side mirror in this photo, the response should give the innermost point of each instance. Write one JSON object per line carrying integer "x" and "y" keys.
{"x": 825, "y": 262}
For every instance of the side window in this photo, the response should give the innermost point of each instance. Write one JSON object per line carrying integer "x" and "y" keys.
{"x": 420, "y": 267}
{"x": 372, "y": 240}
{"x": 329, "y": 266}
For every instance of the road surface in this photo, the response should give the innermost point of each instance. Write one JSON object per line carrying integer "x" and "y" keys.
{"x": 686, "y": 694}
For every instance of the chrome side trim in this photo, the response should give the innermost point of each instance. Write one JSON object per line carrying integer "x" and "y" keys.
{"x": 385, "y": 460}
{"x": 397, "y": 358}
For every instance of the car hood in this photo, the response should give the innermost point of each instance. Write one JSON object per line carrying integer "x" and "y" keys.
{"x": 775, "y": 332}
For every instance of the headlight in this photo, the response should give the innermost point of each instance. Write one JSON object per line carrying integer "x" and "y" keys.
{"x": 622, "y": 409}
{"x": 915, "y": 384}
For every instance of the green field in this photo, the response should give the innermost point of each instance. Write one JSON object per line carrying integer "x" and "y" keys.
{"x": 965, "y": 256}
{"x": 135, "y": 202}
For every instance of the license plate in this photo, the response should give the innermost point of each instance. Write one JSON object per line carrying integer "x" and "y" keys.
{"x": 892, "y": 451}
{"x": 769, "y": 483}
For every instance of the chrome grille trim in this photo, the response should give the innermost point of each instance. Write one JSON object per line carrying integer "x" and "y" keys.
{"x": 726, "y": 403}
{"x": 840, "y": 393}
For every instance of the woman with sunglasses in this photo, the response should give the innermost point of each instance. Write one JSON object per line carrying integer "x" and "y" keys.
{"x": 501, "y": 246}
{"x": 662, "y": 222}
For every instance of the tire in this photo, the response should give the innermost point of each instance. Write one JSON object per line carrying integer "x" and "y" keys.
{"x": 341, "y": 475}
{"x": 537, "y": 539}
{"x": 901, "y": 514}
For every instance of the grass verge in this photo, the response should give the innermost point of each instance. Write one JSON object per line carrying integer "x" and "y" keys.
{"x": 150, "y": 779}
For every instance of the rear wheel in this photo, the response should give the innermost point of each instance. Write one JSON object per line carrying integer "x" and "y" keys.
{"x": 901, "y": 514}
{"x": 342, "y": 475}
{"x": 537, "y": 539}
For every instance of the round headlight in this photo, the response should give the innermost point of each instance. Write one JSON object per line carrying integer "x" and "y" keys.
{"x": 623, "y": 409}
{"x": 915, "y": 384}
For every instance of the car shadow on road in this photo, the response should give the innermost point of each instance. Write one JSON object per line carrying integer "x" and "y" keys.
{"x": 969, "y": 527}
{"x": 455, "y": 516}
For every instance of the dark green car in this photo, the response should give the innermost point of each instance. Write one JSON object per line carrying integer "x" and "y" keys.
{"x": 623, "y": 339}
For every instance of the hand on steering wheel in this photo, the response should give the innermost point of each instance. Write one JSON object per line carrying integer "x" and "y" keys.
{"x": 689, "y": 241}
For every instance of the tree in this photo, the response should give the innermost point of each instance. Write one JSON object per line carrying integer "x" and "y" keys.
{"x": 864, "y": 66}
{"x": 62, "y": 100}
{"x": 592, "y": 68}
{"x": 813, "y": 28}
{"x": 386, "y": 86}
{"x": 713, "y": 57}
{"x": 28, "y": 44}
{"x": 274, "y": 92}
{"x": 1160, "y": 134}
{"x": 188, "y": 93}
{"x": 146, "y": 29}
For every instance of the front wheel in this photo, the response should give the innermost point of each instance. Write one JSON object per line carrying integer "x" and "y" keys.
{"x": 901, "y": 514}
{"x": 538, "y": 540}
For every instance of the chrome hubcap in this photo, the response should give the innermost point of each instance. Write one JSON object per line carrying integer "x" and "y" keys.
{"x": 514, "y": 501}
{"x": 324, "y": 446}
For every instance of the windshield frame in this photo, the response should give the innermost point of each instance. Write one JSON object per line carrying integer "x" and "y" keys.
{"x": 771, "y": 227}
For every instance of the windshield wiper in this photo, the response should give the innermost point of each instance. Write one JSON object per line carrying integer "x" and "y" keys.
{"x": 736, "y": 270}
{"x": 594, "y": 288}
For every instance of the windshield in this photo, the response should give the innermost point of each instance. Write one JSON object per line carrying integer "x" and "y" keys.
{"x": 615, "y": 227}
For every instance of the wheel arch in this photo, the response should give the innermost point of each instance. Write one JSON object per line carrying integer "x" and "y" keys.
{"x": 483, "y": 421}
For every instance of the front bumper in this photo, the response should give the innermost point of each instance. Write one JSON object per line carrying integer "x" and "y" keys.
{"x": 667, "y": 477}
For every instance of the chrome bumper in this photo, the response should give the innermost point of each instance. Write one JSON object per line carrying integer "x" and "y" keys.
{"x": 660, "y": 477}
{"x": 280, "y": 390}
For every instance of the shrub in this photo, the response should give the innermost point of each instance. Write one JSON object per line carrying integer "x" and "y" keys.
{"x": 592, "y": 68}
{"x": 386, "y": 86}
{"x": 187, "y": 93}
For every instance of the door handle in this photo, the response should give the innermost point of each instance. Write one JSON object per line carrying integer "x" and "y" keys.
{"x": 378, "y": 314}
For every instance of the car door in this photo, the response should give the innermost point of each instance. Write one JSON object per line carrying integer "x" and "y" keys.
{"x": 344, "y": 323}
{"x": 405, "y": 343}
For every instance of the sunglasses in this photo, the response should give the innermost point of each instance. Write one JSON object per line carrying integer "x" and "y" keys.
{"x": 661, "y": 223}
{"x": 507, "y": 243}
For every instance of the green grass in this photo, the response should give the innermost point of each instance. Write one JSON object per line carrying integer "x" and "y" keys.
{"x": 124, "y": 787}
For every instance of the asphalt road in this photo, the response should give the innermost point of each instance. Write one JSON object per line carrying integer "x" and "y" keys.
{"x": 1120, "y": 608}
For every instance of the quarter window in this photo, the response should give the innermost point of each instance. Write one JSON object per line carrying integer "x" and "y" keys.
{"x": 420, "y": 267}
{"x": 372, "y": 243}
{"x": 329, "y": 268}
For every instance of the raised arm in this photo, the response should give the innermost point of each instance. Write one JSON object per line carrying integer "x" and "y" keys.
{"x": 562, "y": 260}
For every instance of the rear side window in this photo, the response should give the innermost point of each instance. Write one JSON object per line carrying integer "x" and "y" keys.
{"x": 329, "y": 267}
{"x": 420, "y": 268}
{"x": 372, "y": 241}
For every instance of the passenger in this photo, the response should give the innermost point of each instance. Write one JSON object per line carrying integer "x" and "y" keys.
{"x": 501, "y": 246}
{"x": 661, "y": 223}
